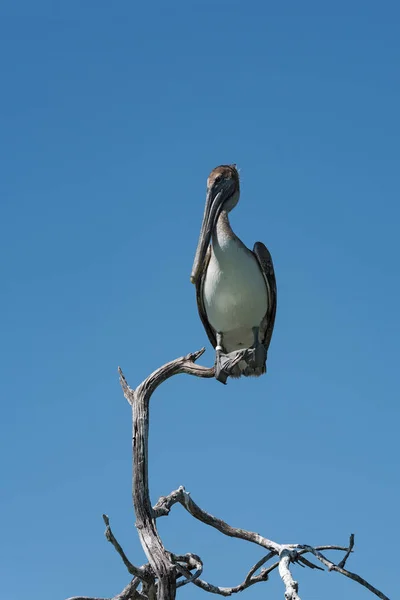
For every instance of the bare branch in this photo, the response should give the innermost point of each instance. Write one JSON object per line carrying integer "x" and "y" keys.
{"x": 330, "y": 547}
{"x": 182, "y": 497}
{"x": 87, "y": 598}
{"x": 129, "y": 393}
{"x": 128, "y": 593}
{"x": 304, "y": 562}
{"x": 185, "y": 364}
{"x": 228, "y": 591}
{"x": 259, "y": 564}
{"x": 139, "y": 572}
{"x": 165, "y": 503}
{"x": 349, "y": 551}
{"x": 290, "y": 584}
{"x": 193, "y": 562}
{"x": 332, "y": 567}
{"x": 160, "y": 560}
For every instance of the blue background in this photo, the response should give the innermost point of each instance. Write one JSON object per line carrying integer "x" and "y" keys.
{"x": 111, "y": 116}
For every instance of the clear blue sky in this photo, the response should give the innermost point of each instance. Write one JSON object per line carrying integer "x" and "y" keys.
{"x": 111, "y": 117}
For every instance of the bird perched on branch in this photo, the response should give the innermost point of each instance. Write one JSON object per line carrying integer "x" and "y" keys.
{"x": 235, "y": 287}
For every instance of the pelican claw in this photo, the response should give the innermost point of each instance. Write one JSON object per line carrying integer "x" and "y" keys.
{"x": 226, "y": 365}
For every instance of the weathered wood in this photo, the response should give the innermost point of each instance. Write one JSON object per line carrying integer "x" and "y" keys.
{"x": 128, "y": 593}
{"x": 291, "y": 585}
{"x": 160, "y": 578}
{"x": 182, "y": 497}
{"x": 160, "y": 560}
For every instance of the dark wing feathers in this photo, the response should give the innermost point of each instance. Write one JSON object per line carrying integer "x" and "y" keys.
{"x": 200, "y": 300}
{"x": 264, "y": 259}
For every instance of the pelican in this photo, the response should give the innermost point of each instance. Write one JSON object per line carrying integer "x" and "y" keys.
{"x": 235, "y": 287}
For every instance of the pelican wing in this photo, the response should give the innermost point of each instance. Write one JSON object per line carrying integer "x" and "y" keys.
{"x": 200, "y": 300}
{"x": 264, "y": 259}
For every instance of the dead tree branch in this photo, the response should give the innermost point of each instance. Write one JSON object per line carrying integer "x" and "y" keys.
{"x": 291, "y": 585}
{"x": 182, "y": 497}
{"x": 349, "y": 551}
{"x": 192, "y": 561}
{"x": 160, "y": 560}
{"x": 332, "y": 567}
{"x": 140, "y": 572}
{"x": 162, "y": 576}
{"x": 128, "y": 593}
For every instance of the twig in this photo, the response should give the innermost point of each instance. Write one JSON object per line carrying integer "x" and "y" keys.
{"x": 332, "y": 567}
{"x": 129, "y": 393}
{"x": 128, "y": 593}
{"x": 228, "y": 591}
{"x": 349, "y": 551}
{"x": 304, "y": 562}
{"x": 193, "y": 562}
{"x": 87, "y": 598}
{"x": 139, "y": 572}
{"x": 259, "y": 564}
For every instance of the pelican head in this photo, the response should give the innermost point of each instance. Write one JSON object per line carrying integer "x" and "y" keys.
{"x": 223, "y": 191}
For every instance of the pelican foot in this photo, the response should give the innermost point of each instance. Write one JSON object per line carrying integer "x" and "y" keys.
{"x": 226, "y": 364}
{"x": 256, "y": 357}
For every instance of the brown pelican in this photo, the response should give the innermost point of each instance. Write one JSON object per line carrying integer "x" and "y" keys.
{"x": 235, "y": 287}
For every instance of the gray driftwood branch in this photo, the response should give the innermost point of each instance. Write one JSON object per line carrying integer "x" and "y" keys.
{"x": 165, "y": 571}
{"x": 128, "y": 593}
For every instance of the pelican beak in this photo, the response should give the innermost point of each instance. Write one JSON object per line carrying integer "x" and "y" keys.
{"x": 216, "y": 197}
